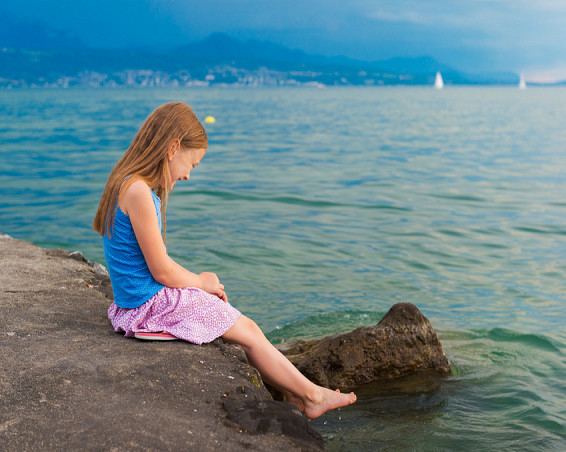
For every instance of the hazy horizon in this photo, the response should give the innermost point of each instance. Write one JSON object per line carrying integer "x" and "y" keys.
{"x": 518, "y": 36}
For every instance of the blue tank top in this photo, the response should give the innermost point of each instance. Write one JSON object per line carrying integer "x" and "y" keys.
{"x": 132, "y": 281}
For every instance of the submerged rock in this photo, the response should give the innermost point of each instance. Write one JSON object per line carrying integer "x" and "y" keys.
{"x": 403, "y": 342}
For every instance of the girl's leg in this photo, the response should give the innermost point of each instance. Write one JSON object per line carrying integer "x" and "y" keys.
{"x": 291, "y": 398}
{"x": 278, "y": 371}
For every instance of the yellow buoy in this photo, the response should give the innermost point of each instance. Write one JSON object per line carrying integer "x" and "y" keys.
{"x": 210, "y": 119}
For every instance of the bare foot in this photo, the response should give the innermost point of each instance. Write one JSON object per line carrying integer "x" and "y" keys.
{"x": 326, "y": 400}
{"x": 288, "y": 397}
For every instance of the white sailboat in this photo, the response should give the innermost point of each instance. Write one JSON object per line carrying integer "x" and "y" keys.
{"x": 438, "y": 83}
{"x": 522, "y": 82}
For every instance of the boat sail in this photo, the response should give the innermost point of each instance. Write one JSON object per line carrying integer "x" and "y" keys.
{"x": 438, "y": 83}
{"x": 522, "y": 82}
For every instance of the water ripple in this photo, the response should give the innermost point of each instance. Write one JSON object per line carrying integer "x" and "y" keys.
{"x": 291, "y": 200}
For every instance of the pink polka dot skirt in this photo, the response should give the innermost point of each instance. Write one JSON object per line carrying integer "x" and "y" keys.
{"x": 189, "y": 313}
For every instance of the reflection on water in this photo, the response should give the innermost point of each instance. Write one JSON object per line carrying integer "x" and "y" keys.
{"x": 501, "y": 396}
{"x": 387, "y": 413}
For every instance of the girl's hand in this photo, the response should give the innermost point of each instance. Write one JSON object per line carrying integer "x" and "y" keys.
{"x": 211, "y": 284}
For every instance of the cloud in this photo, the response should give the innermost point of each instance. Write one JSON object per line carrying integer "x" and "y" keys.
{"x": 545, "y": 75}
{"x": 496, "y": 34}
{"x": 411, "y": 17}
{"x": 513, "y": 34}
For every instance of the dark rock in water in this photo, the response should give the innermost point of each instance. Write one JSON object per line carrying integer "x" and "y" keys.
{"x": 269, "y": 416}
{"x": 404, "y": 342}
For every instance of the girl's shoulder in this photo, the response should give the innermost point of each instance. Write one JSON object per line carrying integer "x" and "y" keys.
{"x": 134, "y": 191}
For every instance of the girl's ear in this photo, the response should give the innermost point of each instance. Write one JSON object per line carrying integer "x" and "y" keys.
{"x": 174, "y": 146}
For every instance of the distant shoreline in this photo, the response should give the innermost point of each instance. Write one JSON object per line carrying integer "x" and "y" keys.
{"x": 249, "y": 87}
{"x": 222, "y": 61}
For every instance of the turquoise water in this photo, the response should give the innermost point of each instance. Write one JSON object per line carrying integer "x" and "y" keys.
{"x": 320, "y": 208}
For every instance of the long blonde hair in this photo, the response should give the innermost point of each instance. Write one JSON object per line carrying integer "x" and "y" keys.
{"x": 147, "y": 159}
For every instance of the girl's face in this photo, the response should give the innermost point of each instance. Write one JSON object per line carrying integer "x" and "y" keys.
{"x": 182, "y": 162}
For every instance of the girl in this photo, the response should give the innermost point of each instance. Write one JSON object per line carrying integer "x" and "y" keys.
{"x": 154, "y": 297}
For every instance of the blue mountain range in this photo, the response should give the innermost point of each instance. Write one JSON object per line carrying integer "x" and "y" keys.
{"x": 35, "y": 53}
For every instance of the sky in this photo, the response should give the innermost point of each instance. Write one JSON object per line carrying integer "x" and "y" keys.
{"x": 471, "y": 35}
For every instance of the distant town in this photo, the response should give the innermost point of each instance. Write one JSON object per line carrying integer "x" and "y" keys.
{"x": 221, "y": 76}
{"x": 218, "y": 61}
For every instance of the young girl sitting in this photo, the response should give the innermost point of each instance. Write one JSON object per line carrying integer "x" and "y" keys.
{"x": 154, "y": 297}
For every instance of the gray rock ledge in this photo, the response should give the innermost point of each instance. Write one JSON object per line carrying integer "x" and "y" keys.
{"x": 68, "y": 382}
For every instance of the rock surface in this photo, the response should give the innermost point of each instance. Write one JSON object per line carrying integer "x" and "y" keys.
{"x": 403, "y": 342}
{"x": 267, "y": 416}
{"x": 68, "y": 382}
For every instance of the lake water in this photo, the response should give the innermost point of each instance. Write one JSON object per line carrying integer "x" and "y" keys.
{"x": 321, "y": 208}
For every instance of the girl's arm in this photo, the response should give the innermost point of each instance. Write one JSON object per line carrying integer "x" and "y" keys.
{"x": 137, "y": 203}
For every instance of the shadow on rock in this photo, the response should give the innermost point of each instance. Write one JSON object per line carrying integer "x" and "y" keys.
{"x": 270, "y": 416}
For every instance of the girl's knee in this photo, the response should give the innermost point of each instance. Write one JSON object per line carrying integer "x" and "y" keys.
{"x": 251, "y": 326}
{"x": 244, "y": 332}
